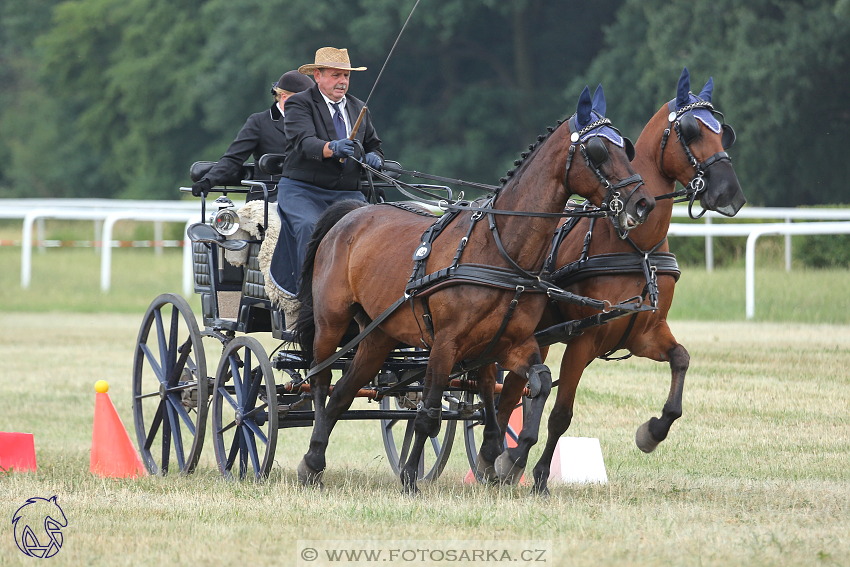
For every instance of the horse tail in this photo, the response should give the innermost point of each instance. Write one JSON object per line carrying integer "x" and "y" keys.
{"x": 305, "y": 325}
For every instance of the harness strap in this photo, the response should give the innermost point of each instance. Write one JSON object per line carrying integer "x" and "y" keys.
{"x": 505, "y": 320}
{"x": 359, "y": 338}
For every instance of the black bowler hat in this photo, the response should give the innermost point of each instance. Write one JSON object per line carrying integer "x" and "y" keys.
{"x": 294, "y": 82}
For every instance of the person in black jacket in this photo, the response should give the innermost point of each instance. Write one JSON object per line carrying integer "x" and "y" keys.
{"x": 262, "y": 134}
{"x": 322, "y": 164}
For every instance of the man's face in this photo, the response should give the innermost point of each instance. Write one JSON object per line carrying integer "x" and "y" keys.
{"x": 332, "y": 82}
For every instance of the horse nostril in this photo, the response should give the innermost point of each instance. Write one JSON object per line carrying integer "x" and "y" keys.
{"x": 642, "y": 209}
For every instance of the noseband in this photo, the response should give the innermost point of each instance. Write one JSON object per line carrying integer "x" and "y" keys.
{"x": 595, "y": 155}
{"x": 697, "y": 185}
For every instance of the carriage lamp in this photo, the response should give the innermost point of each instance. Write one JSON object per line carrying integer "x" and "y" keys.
{"x": 225, "y": 221}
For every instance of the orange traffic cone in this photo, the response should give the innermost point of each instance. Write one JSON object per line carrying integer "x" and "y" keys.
{"x": 515, "y": 423}
{"x": 17, "y": 451}
{"x": 112, "y": 452}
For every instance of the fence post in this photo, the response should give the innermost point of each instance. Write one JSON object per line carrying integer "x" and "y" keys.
{"x": 157, "y": 238}
{"x": 788, "y": 248}
{"x": 709, "y": 249}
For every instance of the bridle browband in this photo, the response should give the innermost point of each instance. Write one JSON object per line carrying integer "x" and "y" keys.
{"x": 696, "y": 186}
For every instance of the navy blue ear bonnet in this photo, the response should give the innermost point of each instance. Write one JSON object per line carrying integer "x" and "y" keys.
{"x": 589, "y": 112}
{"x": 705, "y": 115}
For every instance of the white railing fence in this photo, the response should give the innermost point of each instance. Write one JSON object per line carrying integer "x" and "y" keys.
{"x": 105, "y": 213}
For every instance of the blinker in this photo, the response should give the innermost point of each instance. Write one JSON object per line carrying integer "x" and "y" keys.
{"x": 630, "y": 148}
{"x": 689, "y": 127}
{"x": 727, "y": 136}
{"x": 597, "y": 152}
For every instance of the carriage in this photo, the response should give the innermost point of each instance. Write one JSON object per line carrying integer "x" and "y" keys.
{"x": 173, "y": 392}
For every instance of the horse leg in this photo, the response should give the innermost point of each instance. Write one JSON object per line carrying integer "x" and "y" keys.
{"x": 654, "y": 431}
{"x": 511, "y": 463}
{"x": 366, "y": 363}
{"x": 491, "y": 445}
{"x": 512, "y": 390}
{"x": 572, "y": 366}
{"x": 428, "y": 418}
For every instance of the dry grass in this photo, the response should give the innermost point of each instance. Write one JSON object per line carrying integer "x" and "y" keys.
{"x": 756, "y": 471}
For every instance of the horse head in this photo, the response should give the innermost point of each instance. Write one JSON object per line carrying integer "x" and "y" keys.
{"x": 697, "y": 157}
{"x": 605, "y": 156}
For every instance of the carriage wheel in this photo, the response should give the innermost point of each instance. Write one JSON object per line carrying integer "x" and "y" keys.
{"x": 244, "y": 411}
{"x": 170, "y": 398}
{"x": 398, "y": 437}
{"x": 473, "y": 429}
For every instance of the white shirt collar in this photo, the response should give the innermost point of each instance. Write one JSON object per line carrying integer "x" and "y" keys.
{"x": 280, "y": 107}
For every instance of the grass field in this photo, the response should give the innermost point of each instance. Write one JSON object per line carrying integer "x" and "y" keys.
{"x": 755, "y": 472}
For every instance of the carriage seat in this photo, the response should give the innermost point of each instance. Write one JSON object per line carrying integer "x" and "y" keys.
{"x": 200, "y": 168}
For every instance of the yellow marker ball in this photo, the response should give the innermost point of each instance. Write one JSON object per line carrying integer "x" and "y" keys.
{"x": 101, "y": 386}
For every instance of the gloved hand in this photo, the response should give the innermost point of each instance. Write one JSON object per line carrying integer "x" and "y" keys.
{"x": 202, "y": 186}
{"x": 342, "y": 148}
{"x": 374, "y": 160}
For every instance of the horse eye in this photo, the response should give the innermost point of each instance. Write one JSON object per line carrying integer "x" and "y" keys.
{"x": 689, "y": 127}
{"x": 597, "y": 152}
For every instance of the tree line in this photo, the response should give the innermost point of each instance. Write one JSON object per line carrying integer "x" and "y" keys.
{"x": 117, "y": 98}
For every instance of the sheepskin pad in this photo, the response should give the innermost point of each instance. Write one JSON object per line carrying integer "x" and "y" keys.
{"x": 251, "y": 223}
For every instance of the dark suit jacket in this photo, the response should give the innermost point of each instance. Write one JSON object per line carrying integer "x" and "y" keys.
{"x": 261, "y": 134}
{"x": 309, "y": 126}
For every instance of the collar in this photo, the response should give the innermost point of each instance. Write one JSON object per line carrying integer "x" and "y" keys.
{"x": 329, "y": 102}
{"x": 276, "y": 112}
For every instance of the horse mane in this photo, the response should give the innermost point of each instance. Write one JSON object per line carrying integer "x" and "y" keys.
{"x": 305, "y": 326}
{"x": 526, "y": 157}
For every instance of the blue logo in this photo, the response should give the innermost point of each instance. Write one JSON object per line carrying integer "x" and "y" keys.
{"x": 38, "y": 527}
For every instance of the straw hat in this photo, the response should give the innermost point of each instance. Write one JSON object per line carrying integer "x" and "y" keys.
{"x": 330, "y": 58}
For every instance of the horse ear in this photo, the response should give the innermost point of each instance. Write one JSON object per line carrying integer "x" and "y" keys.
{"x": 599, "y": 101}
{"x": 705, "y": 93}
{"x": 683, "y": 89}
{"x": 583, "y": 108}
{"x": 630, "y": 148}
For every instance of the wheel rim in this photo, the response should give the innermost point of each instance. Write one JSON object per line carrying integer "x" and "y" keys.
{"x": 170, "y": 397}
{"x": 244, "y": 406}
{"x": 398, "y": 438}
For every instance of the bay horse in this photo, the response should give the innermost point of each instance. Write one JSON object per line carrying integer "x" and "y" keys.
{"x": 360, "y": 260}
{"x": 697, "y": 159}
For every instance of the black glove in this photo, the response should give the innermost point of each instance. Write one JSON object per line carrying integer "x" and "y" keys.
{"x": 374, "y": 160}
{"x": 342, "y": 148}
{"x": 201, "y": 187}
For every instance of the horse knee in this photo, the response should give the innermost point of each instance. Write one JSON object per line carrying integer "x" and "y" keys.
{"x": 539, "y": 381}
{"x": 679, "y": 358}
{"x": 428, "y": 420}
{"x": 560, "y": 420}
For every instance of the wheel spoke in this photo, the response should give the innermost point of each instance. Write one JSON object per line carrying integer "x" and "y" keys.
{"x": 172, "y": 333}
{"x": 255, "y": 429}
{"x": 251, "y": 446}
{"x": 388, "y": 426}
{"x": 435, "y": 444}
{"x": 243, "y": 455}
{"x": 226, "y": 395}
{"x": 234, "y": 450}
{"x": 405, "y": 446}
{"x": 177, "y": 434}
{"x": 151, "y": 395}
{"x": 181, "y": 411}
{"x": 166, "y": 437}
{"x": 254, "y": 388}
{"x": 237, "y": 379}
{"x": 160, "y": 339}
{"x": 157, "y": 419}
{"x": 157, "y": 369}
{"x": 226, "y": 427}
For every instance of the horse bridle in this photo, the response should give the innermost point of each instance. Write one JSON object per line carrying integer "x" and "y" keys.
{"x": 595, "y": 155}
{"x": 687, "y": 130}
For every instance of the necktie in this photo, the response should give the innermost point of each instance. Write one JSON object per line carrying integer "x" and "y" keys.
{"x": 339, "y": 123}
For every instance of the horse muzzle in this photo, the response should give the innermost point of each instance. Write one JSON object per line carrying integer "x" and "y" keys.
{"x": 723, "y": 192}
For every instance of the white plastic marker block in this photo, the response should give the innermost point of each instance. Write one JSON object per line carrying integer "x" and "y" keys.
{"x": 578, "y": 459}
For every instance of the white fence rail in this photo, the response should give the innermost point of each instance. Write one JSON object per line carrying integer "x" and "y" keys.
{"x": 107, "y": 212}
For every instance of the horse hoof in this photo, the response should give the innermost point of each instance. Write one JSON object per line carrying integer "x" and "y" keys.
{"x": 507, "y": 471}
{"x": 541, "y": 491}
{"x": 485, "y": 471}
{"x": 308, "y": 476}
{"x": 644, "y": 439}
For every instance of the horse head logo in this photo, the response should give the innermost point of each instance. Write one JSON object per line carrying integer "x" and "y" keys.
{"x": 38, "y": 527}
